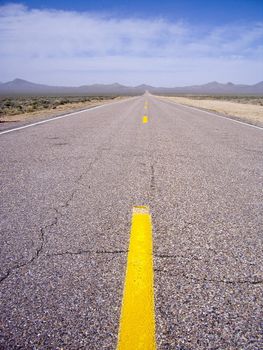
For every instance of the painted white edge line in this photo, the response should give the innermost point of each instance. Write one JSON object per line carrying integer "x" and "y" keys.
{"x": 61, "y": 117}
{"x": 216, "y": 115}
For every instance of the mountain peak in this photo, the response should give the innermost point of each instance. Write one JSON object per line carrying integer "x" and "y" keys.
{"x": 213, "y": 83}
{"x": 259, "y": 84}
{"x": 19, "y": 81}
{"x": 143, "y": 86}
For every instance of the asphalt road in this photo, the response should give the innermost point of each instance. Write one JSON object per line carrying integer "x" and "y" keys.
{"x": 67, "y": 192}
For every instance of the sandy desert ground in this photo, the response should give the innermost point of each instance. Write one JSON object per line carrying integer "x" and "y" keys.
{"x": 247, "y": 109}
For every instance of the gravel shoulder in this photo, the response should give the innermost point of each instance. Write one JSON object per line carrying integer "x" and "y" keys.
{"x": 247, "y": 112}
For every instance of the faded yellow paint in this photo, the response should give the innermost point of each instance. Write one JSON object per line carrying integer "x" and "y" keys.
{"x": 137, "y": 321}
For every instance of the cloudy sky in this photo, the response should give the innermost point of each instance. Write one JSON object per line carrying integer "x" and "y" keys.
{"x": 163, "y": 43}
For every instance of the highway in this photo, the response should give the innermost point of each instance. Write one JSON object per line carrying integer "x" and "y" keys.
{"x": 68, "y": 191}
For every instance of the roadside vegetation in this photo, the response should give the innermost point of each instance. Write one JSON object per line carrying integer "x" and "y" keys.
{"x": 247, "y": 108}
{"x": 254, "y": 100}
{"x": 10, "y": 106}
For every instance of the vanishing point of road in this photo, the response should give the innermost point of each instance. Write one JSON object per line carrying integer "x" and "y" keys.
{"x": 138, "y": 222}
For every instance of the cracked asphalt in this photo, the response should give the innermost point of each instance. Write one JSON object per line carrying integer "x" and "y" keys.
{"x": 67, "y": 192}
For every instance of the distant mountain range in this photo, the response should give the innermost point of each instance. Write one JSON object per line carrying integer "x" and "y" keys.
{"x": 23, "y": 87}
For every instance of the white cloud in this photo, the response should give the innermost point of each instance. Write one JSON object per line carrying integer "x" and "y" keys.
{"x": 62, "y": 47}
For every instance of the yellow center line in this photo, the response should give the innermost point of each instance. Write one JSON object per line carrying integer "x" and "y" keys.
{"x": 145, "y": 119}
{"x": 137, "y": 321}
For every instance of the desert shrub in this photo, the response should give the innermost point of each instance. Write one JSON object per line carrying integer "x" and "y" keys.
{"x": 30, "y": 109}
{"x": 8, "y": 103}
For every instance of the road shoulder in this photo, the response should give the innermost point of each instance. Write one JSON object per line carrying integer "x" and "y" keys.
{"x": 246, "y": 113}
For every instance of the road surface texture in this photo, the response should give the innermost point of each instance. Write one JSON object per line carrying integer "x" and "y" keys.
{"x": 67, "y": 192}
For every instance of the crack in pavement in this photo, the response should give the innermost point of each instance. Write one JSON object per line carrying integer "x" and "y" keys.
{"x": 152, "y": 182}
{"x": 152, "y": 186}
{"x": 37, "y": 252}
{"x": 196, "y": 279}
{"x": 204, "y": 279}
{"x": 44, "y": 230}
{"x": 77, "y": 183}
{"x": 80, "y": 252}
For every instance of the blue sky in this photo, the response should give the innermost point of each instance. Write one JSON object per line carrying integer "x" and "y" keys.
{"x": 210, "y": 11}
{"x": 166, "y": 43}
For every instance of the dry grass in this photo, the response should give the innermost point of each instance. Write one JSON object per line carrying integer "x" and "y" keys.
{"x": 246, "y": 108}
{"x": 253, "y": 100}
{"x": 20, "y": 109}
